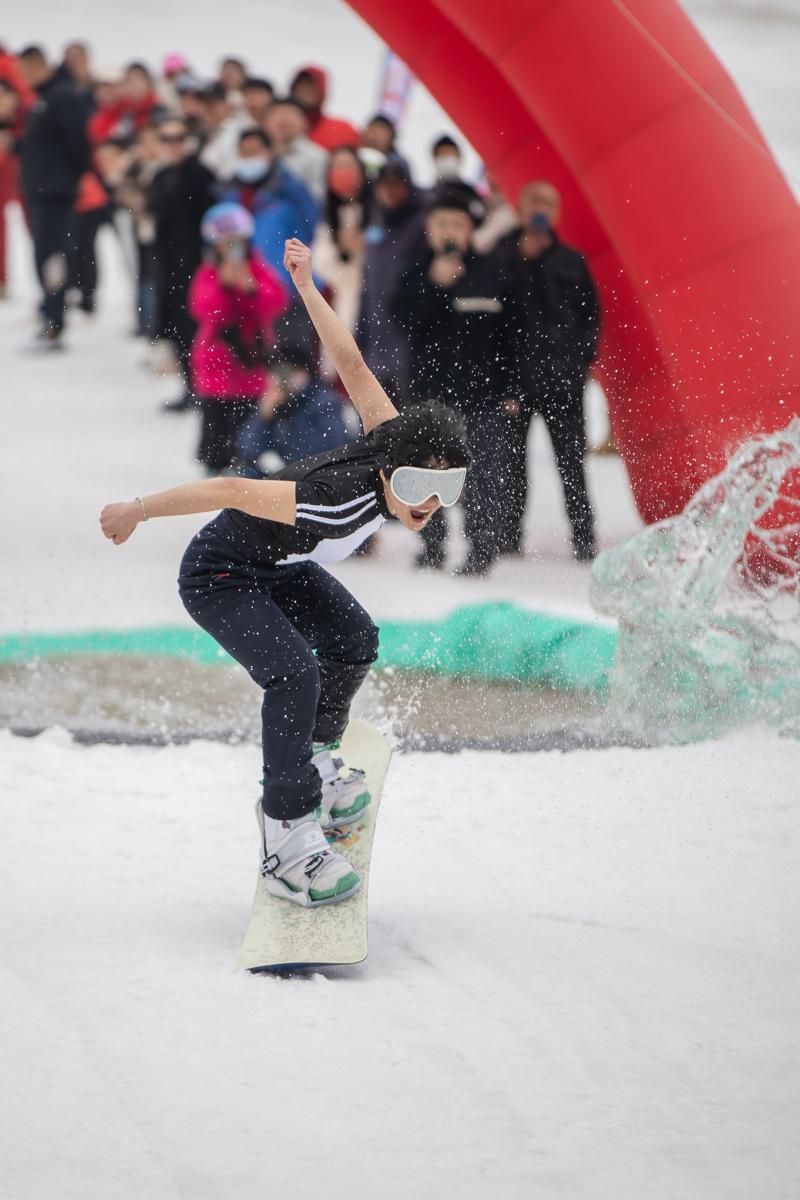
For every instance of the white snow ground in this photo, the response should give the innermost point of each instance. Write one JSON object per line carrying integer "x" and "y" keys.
{"x": 582, "y": 989}
{"x": 582, "y": 983}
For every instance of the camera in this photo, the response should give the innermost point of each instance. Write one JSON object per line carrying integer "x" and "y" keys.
{"x": 235, "y": 252}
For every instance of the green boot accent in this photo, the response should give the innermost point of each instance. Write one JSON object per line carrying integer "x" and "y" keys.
{"x": 318, "y": 747}
{"x": 361, "y": 801}
{"x": 345, "y": 884}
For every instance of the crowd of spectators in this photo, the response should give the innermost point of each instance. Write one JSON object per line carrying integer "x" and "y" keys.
{"x": 452, "y": 291}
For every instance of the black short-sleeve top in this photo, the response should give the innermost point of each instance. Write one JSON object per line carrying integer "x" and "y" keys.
{"x": 340, "y": 503}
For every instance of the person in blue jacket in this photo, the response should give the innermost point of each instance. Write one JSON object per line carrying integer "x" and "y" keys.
{"x": 299, "y": 416}
{"x": 281, "y": 204}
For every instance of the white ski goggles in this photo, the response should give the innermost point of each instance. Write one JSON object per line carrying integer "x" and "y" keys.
{"x": 415, "y": 485}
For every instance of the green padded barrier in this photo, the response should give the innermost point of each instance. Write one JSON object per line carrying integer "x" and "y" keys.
{"x": 500, "y": 641}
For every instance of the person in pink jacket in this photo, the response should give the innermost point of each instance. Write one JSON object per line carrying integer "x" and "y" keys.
{"x": 235, "y": 297}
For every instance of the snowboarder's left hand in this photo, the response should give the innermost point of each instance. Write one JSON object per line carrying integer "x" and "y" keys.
{"x": 118, "y": 521}
{"x": 297, "y": 261}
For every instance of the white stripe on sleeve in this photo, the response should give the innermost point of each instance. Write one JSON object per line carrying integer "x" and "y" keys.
{"x": 332, "y": 508}
{"x": 319, "y": 519}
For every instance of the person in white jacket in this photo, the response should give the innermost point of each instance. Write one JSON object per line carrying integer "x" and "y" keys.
{"x": 287, "y": 125}
{"x": 221, "y": 151}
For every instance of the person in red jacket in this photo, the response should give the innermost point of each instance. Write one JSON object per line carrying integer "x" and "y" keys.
{"x": 236, "y": 298}
{"x": 309, "y": 89}
{"x": 15, "y": 100}
{"x": 125, "y": 105}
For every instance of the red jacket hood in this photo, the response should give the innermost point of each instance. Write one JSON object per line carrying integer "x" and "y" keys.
{"x": 320, "y": 77}
{"x": 11, "y": 74}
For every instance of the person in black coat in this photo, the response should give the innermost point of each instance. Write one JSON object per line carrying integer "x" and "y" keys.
{"x": 178, "y": 196}
{"x": 463, "y": 331}
{"x": 393, "y": 240}
{"x": 558, "y": 303}
{"x": 54, "y": 154}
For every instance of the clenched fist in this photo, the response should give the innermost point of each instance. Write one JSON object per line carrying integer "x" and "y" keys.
{"x": 297, "y": 261}
{"x": 118, "y": 521}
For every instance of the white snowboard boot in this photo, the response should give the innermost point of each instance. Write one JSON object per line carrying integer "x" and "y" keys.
{"x": 298, "y": 864}
{"x": 344, "y": 792}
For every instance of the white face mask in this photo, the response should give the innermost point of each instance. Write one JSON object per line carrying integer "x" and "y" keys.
{"x": 250, "y": 170}
{"x": 448, "y": 166}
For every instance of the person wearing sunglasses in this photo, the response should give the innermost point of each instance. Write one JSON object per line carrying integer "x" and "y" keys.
{"x": 255, "y": 579}
{"x": 180, "y": 194}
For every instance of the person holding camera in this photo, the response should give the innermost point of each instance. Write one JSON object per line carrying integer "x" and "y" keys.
{"x": 236, "y": 298}
{"x": 463, "y": 332}
{"x": 558, "y": 303}
{"x": 298, "y": 416}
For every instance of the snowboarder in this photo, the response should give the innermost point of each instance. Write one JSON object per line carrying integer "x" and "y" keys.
{"x": 253, "y": 578}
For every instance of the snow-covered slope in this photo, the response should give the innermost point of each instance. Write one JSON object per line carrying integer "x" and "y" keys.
{"x": 582, "y": 983}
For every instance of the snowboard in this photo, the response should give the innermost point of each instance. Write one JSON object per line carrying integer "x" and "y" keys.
{"x": 282, "y": 934}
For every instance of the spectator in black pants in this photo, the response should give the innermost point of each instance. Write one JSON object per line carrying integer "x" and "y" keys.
{"x": 54, "y": 153}
{"x": 180, "y": 193}
{"x": 561, "y": 316}
{"x": 463, "y": 332}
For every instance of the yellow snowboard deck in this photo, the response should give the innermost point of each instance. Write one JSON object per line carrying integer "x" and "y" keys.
{"x": 282, "y": 934}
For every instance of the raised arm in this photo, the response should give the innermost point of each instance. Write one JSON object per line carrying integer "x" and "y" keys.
{"x": 369, "y": 399}
{"x": 273, "y": 499}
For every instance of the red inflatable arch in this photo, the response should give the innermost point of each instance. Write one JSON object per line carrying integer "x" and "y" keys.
{"x": 669, "y": 189}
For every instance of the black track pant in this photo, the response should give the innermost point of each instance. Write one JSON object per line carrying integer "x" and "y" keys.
{"x": 52, "y": 222}
{"x": 83, "y": 265}
{"x": 173, "y": 319}
{"x": 483, "y": 500}
{"x": 563, "y": 416}
{"x": 272, "y": 620}
{"x": 220, "y": 422}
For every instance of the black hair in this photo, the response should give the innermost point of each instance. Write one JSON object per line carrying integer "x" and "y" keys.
{"x": 32, "y": 52}
{"x": 117, "y": 143}
{"x": 254, "y": 81}
{"x": 290, "y": 100}
{"x": 422, "y": 433}
{"x": 142, "y": 67}
{"x": 214, "y": 91}
{"x": 381, "y": 118}
{"x": 395, "y": 167}
{"x": 168, "y": 118}
{"x": 460, "y": 197}
{"x": 255, "y": 132}
{"x": 444, "y": 141}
